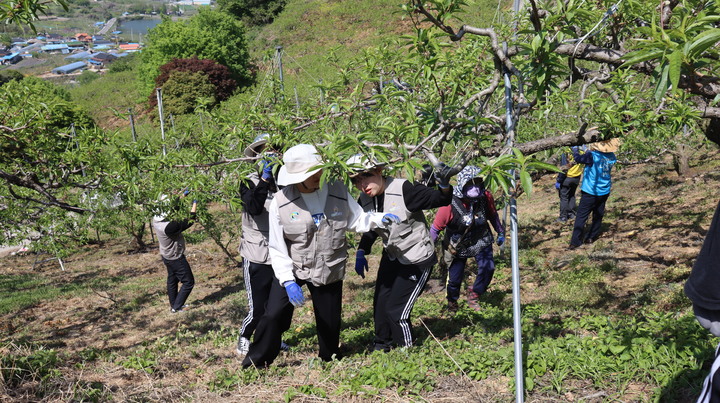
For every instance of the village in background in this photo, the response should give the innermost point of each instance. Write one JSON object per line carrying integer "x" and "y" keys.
{"x": 68, "y": 52}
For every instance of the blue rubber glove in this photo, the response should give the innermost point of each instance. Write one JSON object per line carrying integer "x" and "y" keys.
{"x": 500, "y": 239}
{"x": 557, "y": 185}
{"x": 267, "y": 174}
{"x": 390, "y": 218}
{"x": 194, "y": 201}
{"x": 294, "y": 293}
{"x": 361, "y": 264}
{"x": 575, "y": 149}
{"x": 186, "y": 192}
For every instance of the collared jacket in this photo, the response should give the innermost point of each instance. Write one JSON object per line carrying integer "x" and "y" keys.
{"x": 314, "y": 248}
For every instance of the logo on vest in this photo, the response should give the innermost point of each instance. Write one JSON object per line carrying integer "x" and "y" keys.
{"x": 317, "y": 218}
{"x": 294, "y": 216}
{"x": 336, "y": 213}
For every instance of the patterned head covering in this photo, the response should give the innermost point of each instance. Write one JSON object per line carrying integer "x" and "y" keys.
{"x": 468, "y": 173}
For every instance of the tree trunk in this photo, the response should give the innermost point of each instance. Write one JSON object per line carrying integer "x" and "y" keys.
{"x": 138, "y": 235}
{"x": 681, "y": 159}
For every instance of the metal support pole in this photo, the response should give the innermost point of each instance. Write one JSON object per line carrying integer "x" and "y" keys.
{"x": 278, "y": 55}
{"x": 517, "y": 319}
{"x": 322, "y": 93}
{"x": 132, "y": 124}
{"x": 297, "y": 101}
{"x": 162, "y": 120}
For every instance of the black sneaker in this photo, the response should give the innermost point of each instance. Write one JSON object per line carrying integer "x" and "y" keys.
{"x": 573, "y": 247}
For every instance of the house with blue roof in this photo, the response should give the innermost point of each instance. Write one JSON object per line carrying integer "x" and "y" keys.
{"x": 69, "y": 68}
{"x": 56, "y": 48}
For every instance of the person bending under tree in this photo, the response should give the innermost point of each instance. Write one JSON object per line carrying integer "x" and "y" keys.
{"x": 256, "y": 195}
{"x": 408, "y": 254}
{"x": 308, "y": 223}
{"x": 172, "y": 252}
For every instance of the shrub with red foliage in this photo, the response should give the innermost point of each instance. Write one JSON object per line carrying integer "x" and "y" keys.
{"x": 218, "y": 75}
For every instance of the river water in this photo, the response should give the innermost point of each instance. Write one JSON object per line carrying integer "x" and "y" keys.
{"x": 138, "y": 27}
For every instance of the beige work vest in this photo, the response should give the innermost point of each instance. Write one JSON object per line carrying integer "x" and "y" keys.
{"x": 171, "y": 247}
{"x": 255, "y": 229}
{"x": 409, "y": 241}
{"x": 318, "y": 252}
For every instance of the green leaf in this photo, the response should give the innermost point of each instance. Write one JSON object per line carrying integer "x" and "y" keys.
{"x": 675, "y": 67}
{"x": 703, "y": 41}
{"x": 641, "y": 56}
{"x": 662, "y": 84}
{"x": 526, "y": 181}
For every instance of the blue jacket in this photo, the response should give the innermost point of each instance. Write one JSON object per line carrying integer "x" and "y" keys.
{"x": 596, "y": 176}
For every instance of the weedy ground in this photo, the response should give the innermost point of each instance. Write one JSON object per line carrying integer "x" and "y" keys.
{"x": 606, "y": 322}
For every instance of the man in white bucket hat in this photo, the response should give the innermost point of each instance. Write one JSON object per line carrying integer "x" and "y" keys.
{"x": 307, "y": 247}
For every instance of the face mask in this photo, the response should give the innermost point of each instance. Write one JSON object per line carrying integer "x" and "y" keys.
{"x": 473, "y": 192}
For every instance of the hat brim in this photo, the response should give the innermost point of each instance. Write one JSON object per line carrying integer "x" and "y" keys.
{"x": 252, "y": 149}
{"x": 285, "y": 178}
{"x": 356, "y": 172}
{"x": 606, "y": 146}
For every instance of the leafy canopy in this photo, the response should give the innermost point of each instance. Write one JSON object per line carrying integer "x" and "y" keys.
{"x": 210, "y": 34}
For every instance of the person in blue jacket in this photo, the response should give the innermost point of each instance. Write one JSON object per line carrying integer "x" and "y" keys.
{"x": 595, "y": 188}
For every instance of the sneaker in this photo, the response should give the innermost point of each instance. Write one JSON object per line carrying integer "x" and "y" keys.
{"x": 284, "y": 346}
{"x": 182, "y": 308}
{"x": 452, "y": 306}
{"x": 242, "y": 347}
{"x": 573, "y": 247}
{"x": 561, "y": 220}
{"x": 472, "y": 300}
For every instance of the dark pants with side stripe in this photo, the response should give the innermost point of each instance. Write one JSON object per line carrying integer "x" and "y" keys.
{"x": 258, "y": 282}
{"x": 711, "y": 387}
{"x": 327, "y": 305}
{"x": 588, "y": 204}
{"x": 178, "y": 271}
{"x": 397, "y": 288}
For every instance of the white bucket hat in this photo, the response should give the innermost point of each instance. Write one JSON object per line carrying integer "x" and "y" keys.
{"x": 256, "y": 146}
{"x": 299, "y": 163}
{"x": 359, "y": 163}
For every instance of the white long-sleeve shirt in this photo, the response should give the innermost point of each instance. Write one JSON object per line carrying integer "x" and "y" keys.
{"x": 282, "y": 264}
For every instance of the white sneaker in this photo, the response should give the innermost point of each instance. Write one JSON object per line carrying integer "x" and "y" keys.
{"x": 243, "y": 346}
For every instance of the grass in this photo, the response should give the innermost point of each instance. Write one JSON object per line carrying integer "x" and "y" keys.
{"x": 21, "y": 291}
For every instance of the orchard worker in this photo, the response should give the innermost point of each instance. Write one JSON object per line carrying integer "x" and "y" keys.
{"x": 256, "y": 194}
{"x": 595, "y": 188}
{"x": 408, "y": 253}
{"x": 172, "y": 252}
{"x": 703, "y": 289}
{"x": 466, "y": 222}
{"x": 307, "y": 245}
{"x": 567, "y": 183}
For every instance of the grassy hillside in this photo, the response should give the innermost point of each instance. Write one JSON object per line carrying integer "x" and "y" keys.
{"x": 607, "y": 322}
